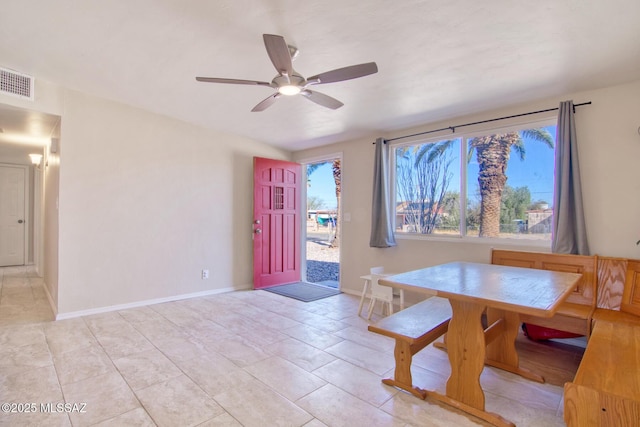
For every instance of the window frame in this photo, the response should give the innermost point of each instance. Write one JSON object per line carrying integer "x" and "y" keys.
{"x": 464, "y": 138}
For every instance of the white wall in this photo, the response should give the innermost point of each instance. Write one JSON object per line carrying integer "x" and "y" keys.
{"x": 147, "y": 202}
{"x": 609, "y": 148}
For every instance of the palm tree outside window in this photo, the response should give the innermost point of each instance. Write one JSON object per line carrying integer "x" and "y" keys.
{"x": 493, "y": 184}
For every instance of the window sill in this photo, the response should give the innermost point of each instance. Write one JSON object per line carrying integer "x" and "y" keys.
{"x": 543, "y": 244}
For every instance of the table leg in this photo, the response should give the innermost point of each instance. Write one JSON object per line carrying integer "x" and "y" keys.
{"x": 501, "y": 352}
{"x": 465, "y": 343}
{"x": 466, "y": 350}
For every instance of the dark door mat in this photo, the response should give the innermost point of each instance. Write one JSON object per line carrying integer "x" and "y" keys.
{"x": 303, "y": 291}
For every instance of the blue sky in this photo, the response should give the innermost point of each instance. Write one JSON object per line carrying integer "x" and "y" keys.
{"x": 535, "y": 172}
{"x": 322, "y": 186}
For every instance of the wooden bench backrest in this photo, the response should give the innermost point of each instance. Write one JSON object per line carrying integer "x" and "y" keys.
{"x": 585, "y": 291}
{"x": 631, "y": 295}
{"x": 612, "y": 274}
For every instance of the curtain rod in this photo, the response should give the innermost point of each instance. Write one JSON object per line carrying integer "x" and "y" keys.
{"x": 453, "y": 128}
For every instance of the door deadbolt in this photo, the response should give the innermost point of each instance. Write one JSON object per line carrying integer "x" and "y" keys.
{"x": 257, "y": 221}
{"x": 20, "y": 221}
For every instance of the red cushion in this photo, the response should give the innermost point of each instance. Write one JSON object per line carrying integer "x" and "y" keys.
{"x": 540, "y": 333}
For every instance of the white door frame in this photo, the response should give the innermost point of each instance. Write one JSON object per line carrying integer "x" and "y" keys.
{"x": 303, "y": 208}
{"x": 37, "y": 220}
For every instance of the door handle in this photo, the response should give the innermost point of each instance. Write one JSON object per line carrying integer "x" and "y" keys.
{"x": 257, "y": 231}
{"x": 20, "y": 221}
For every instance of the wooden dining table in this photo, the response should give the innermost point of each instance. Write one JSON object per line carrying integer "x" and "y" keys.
{"x": 504, "y": 293}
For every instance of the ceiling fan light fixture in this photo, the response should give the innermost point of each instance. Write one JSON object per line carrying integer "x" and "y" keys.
{"x": 289, "y": 90}
{"x": 290, "y": 83}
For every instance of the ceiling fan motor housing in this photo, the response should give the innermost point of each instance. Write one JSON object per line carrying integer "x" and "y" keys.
{"x": 289, "y": 85}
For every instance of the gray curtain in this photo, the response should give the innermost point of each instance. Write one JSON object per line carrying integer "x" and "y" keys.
{"x": 569, "y": 234}
{"x": 381, "y": 225}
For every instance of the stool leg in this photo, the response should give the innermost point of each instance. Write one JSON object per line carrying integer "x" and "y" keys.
{"x": 364, "y": 292}
{"x": 372, "y": 303}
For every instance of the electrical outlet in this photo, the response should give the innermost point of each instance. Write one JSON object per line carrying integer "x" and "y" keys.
{"x": 205, "y": 274}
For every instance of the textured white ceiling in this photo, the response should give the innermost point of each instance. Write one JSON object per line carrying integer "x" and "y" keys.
{"x": 436, "y": 59}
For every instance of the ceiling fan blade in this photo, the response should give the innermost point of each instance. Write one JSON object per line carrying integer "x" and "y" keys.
{"x": 232, "y": 81}
{"x": 346, "y": 73}
{"x": 322, "y": 99}
{"x": 266, "y": 103}
{"x": 278, "y": 53}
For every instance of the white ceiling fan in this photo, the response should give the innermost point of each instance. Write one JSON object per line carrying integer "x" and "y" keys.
{"x": 289, "y": 82}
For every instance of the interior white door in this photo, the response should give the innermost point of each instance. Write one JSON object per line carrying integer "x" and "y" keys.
{"x": 12, "y": 215}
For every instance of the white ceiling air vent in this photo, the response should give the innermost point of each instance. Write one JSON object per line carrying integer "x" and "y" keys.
{"x": 16, "y": 84}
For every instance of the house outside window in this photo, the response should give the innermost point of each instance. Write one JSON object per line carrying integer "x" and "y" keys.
{"x": 494, "y": 184}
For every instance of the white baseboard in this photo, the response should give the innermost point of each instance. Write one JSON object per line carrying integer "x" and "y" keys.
{"x": 99, "y": 310}
{"x": 50, "y": 299}
{"x": 351, "y": 291}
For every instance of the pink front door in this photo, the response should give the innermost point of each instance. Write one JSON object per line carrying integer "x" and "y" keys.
{"x": 276, "y": 222}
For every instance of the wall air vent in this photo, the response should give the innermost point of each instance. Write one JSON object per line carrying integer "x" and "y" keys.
{"x": 16, "y": 84}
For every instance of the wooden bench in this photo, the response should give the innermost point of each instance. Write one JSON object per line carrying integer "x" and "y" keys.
{"x": 606, "y": 388}
{"x": 413, "y": 328}
{"x": 618, "y": 290}
{"x": 575, "y": 314}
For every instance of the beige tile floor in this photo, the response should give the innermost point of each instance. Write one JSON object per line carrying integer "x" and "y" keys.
{"x": 249, "y": 358}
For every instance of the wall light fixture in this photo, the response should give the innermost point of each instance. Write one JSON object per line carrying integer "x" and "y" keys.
{"x": 36, "y": 159}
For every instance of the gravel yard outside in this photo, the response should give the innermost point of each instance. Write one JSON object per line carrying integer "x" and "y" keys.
{"x": 323, "y": 262}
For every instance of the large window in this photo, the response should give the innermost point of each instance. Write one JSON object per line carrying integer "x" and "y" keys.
{"x": 493, "y": 184}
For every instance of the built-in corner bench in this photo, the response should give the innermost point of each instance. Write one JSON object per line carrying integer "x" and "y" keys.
{"x": 606, "y": 388}
{"x": 575, "y": 314}
{"x": 605, "y": 307}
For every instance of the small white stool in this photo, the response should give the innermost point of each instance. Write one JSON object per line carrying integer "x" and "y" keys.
{"x": 367, "y": 286}
{"x": 384, "y": 294}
